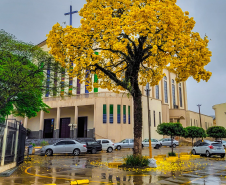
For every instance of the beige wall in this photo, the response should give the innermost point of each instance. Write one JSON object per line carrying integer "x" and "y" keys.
{"x": 220, "y": 114}
{"x": 207, "y": 121}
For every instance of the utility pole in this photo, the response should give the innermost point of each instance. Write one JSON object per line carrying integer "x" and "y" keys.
{"x": 200, "y": 115}
{"x": 149, "y": 120}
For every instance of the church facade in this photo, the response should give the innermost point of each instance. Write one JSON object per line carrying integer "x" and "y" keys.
{"x": 103, "y": 114}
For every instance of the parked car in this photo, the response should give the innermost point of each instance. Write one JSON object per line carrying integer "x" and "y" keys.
{"x": 64, "y": 146}
{"x": 167, "y": 142}
{"x": 107, "y": 144}
{"x": 221, "y": 141}
{"x": 91, "y": 144}
{"x": 154, "y": 143}
{"x": 200, "y": 141}
{"x": 209, "y": 148}
{"x": 125, "y": 143}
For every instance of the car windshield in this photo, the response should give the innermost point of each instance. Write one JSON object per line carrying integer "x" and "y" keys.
{"x": 122, "y": 141}
{"x": 161, "y": 139}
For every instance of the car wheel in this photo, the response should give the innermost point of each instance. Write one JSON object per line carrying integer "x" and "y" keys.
{"x": 193, "y": 152}
{"x": 222, "y": 155}
{"x": 49, "y": 152}
{"x": 118, "y": 147}
{"x": 142, "y": 146}
{"x": 76, "y": 152}
{"x": 174, "y": 145}
{"x": 208, "y": 154}
{"x": 110, "y": 149}
{"x": 157, "y": 146}
{"x": 94, "y": 151}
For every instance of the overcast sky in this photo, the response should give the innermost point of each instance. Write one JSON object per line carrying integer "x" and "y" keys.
{"x": 31, "y": 20}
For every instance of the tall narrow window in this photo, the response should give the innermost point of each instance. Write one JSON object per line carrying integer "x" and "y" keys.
{"x": 173, "y": 93}
{"x": 206, "y": 125}
{"x": 157, "y": 91}
{"x": 194, "y": 122}
{"x": 62, "y": 81}
{"x": 70, "y": 78}
{"x": 78, "y": 86}
{"x": 154, "y": 118}
{"x": 104, "y": 113}
{"x": 124, "y": 113}
{"x": 111, "y": 114}
{"x": 180, "y": 94}
{"x": 48, "y": 80}
{"x": 191, "y": 122}
{"x": 95, "y": 81}
{"x": 87, "y": 75}
{"x": 165, "y": 89}
{"x": 160, "y": 118}
{"x": 118, "y": 113}
{"x": 129, "y": 114}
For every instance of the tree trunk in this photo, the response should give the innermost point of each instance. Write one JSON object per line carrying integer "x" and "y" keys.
{"x": 137, "y": 124}
{"x": 192, "y": 142}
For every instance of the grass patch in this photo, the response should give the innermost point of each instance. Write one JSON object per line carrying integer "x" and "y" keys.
{"x": 136, "y": 161}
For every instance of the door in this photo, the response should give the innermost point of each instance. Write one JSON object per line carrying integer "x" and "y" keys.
{"x": 198, "y": 148}
{"x": 59, "y": 147}
{"x": 131, "y": 143}
{"x": 125, "y": 143}
{"x": 64, "y": 128}
{"x": 146, "y": 143}
{"x": 70, "y": 146}
{"x": 165, "y": 142}
{"x": 82, "y": 127}
{"x": 48, "y": 128}
{"x": 203, "y": 148}
{"x": 105, "y": 144}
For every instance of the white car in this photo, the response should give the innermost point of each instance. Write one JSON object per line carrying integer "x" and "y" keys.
{"x": 154, "y": 143}
{"x": 107, "y": 144}
{"x": 168, "y": 142}
{"x": 208, "y": 149}
{"x": 64, "y": 146}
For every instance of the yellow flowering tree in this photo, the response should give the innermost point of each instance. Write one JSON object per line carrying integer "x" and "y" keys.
{"x": 135, "y": 41}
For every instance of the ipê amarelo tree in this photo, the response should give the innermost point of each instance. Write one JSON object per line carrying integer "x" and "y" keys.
{"x": 135, "y": 41}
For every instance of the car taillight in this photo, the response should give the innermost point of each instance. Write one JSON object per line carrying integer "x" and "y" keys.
{"x": 211, "y": 147}
{"x": 84, "y": 146}
{"x": 113, "y": 144}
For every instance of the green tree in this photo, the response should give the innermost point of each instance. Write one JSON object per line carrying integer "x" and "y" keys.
{"x": 216, "y": 132}
{"x": 23, "y": 70}
{"x": 194, "y": 132}
{"x": 170, "y": 129}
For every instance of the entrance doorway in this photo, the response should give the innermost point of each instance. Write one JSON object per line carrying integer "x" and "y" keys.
{"x": 64, "y": 128}
{"x": 82, "y": 127}
{"x": 48, "y": 128}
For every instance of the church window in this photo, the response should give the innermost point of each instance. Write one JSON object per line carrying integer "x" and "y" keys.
{"x": 160, "y": 118}
{"x": 95, "y": 81}
{"x": 157, "y": 91}
{"x": 129, "y": 114}
{"x": 111, "y": 115}
{"x": 180, "y": 94}
{"x": 124, "y": 113}
{"x": 191, "y": 122}
{"x": 173, "y": 92}
{"x": 154, "y": 118}
{"x": 104, "y": 113}
{"x": 165, "y": 89}
{"x": 48, "y": 81}
{"x": 118, "y": 113}
{"x": 87, "y": 74}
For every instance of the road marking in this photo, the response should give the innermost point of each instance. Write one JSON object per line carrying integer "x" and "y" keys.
{"x": 26, "y": 171}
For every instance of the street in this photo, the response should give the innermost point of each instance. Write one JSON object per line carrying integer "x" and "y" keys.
{"x": 62, "y": 169}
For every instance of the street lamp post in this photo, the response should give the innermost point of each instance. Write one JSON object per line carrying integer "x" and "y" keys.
{"x": 149, "y": 120}
{"x": 200, "y": 115}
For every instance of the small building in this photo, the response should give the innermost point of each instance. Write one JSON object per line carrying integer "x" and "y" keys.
{"x": 220, "y": 114}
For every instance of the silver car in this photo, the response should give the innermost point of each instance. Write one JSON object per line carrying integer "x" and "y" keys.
{"x": 154, "y": 143}
{"x": 125, "y": 143}
{"x": 168, "y": 142}
{"x": 64, "y": 146}
{"x": 208, "y": 149}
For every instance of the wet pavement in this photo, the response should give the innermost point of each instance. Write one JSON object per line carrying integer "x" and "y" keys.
{"x": 62, "y": 169}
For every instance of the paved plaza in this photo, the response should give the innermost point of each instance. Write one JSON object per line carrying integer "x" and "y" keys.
{"x": 62, "y": 169}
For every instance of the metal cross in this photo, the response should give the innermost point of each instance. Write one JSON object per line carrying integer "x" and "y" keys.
{"x": 70, "y": 13}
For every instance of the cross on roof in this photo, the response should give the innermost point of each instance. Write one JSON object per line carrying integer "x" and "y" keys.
{"x": 70, "y": 13}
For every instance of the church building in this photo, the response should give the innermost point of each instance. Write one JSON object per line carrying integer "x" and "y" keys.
{"x": 106, "y": 115}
